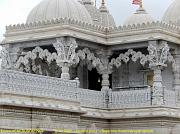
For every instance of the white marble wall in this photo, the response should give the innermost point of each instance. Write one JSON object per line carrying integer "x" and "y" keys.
{"x": 129, "y": 74}
{"x": 82, "y": 73}
{"x": 134, "y": 74}
{"x": 167, "y": 76}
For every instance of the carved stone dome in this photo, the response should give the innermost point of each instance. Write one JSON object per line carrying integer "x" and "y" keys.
{"x": 107, "y": 19}
{"x": 172, "y": 14}
{"x": 139, "y": 17}
{"x": 93, "y": 11}
{"x": 53, "y": 9}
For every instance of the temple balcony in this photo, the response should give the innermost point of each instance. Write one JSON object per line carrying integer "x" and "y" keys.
{"x": 31, "y": 90}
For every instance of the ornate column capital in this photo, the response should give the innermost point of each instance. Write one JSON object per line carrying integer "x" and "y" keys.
{"x": 158, "y": 54}
{"x": 66, "y": 55}
{"x": 65, "y": 50}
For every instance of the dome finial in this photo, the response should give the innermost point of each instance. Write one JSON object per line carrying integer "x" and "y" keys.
{"x": 141, "y": 4}
{"x": 103, "y": 3}
{"x": 140, "y": 16}
{"x": 138, "y": 2}
{"x": 103, "y": 7}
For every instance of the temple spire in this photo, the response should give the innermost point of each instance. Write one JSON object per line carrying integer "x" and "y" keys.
{"x": 103, "y": 3}
{"x": 95, "y": 3}
{"x": 138, "y": 2}
{"x": 141, "y": 4}
{"x": 103, "y": 7}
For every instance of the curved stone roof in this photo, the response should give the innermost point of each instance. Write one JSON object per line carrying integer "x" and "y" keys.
{"x": 172, "y": 14}
{"x": 141, "y": 16}
{"x": 107, "y": 19}
{"x": 93, "y": 11}
{"x": 53, "y": 9}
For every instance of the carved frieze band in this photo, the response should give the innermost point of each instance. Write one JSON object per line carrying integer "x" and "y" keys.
{"x": 66, "y": 53}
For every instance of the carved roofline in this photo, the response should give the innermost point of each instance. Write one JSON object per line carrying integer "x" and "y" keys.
{"x": 153, "y": 24}
{"x": 98, "y": 28}
{"x": 104, "y": 35}
{"x": 62, "y": 21}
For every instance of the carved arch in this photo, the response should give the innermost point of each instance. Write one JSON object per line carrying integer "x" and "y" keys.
{"x": 135, "y": 56}
{"x": 86, "y": 54}
{"x": 32, "y": 61}
{"x": 149, "y": 58}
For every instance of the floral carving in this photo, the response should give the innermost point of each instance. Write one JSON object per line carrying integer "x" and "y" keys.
{"x": 130, "y": 54}
{"x": 88, "y": 58}
{"x": 159, "y": 56}
{"x": 6, "y": 61}
{"x": 31, "y": 62}
{"x": 65, "y": 51}
{"x": 66, "y": 55}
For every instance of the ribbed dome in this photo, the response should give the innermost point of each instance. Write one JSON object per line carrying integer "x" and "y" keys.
{"x": 141, "y": 16}
{"x": 172, "y": 14}
{"x": 51, "y": 9}
{"x": 93, "y": 11}
{"x": 107, "y": 19}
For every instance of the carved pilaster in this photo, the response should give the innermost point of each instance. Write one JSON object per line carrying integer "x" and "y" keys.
{"x": 176, "y": 70}
{"x": 176, "y": 73}
{"x": 5, "y": 56}
{"x": 14, "y": 54}
{"x": 158, "y": 98}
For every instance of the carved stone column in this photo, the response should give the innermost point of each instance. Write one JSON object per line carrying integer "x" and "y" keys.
{"x": 14, "y": 54}
{"x": 65, "y": 71}
{"x": 66, "y": 55}
{"x": 158, "y": 98}
{"x": 158, "y": 56}
{"x": 6, "y": 62}
{"x": 105, "y": 81}
{"x": 105, "y": 69}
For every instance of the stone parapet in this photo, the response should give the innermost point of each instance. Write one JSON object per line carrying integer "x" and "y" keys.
{"x": 30, "y": 89}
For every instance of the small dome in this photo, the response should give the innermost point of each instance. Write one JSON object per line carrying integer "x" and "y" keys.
{"x": 107, "y": 19}
{"x": 141, "y": 16}
{"x": 52, "y": 9}
{"x": 172, "y": 14}
{"x": 93, "y": 11}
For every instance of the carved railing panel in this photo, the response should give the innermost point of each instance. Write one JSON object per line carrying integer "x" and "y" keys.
{"x": 130, "y": 99}
{"x": 20, "y": 83}
{"x": 36, "y": 85}
{"x": 169, "y": 98}
{"x": 91, "y": 98}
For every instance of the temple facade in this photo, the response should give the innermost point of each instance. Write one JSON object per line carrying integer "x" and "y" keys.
{"x": 70, "y": 69}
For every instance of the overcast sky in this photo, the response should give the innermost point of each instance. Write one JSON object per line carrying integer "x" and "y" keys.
{"x": 16, "y": 11}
